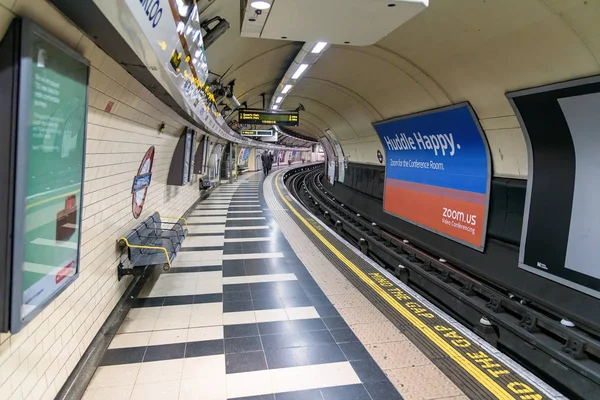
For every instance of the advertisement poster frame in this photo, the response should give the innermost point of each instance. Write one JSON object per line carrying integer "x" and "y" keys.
{"x": 28, "y": 31}
{"x": 477, "y": 126}
{"x": 545, "y": 98}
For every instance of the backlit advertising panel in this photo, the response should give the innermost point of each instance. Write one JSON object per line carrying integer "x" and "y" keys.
{"x": 49, "y": 167}
{"x": 561, "y": 223}
{"x": 438, "y": 172}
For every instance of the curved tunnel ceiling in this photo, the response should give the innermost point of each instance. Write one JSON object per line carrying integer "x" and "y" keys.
{"x": 454, "y": 51}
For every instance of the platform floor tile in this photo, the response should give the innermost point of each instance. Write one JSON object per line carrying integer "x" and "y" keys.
{"x": 239, "y": 316}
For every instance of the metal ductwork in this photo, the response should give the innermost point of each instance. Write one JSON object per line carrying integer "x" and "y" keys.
{"x": 214, "y": 33}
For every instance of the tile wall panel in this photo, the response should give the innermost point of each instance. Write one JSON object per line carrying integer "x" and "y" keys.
{"x": 35, "y": 363}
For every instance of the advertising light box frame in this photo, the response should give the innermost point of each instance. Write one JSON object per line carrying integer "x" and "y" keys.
{"x": 478, "y": 132}
{"x": 547, "y": 243}
{"x": 27, "y": 32}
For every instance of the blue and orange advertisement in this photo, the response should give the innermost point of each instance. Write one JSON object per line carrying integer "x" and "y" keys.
{"x": 438, "y": 172}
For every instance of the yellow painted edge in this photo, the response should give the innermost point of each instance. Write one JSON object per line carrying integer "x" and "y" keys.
{"x": 461, "y": 360}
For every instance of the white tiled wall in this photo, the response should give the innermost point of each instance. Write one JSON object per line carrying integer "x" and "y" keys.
{"x": 35, "y": 363}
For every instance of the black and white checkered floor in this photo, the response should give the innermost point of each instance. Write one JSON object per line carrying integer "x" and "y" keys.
{"x": 238, "y": 317}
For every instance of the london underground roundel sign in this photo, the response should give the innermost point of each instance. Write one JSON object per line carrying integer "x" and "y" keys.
{"x": 141, "y": 183}
{"x": 380, "y": 157}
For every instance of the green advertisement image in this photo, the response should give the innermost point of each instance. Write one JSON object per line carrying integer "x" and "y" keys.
{"x": 55, "y": 165}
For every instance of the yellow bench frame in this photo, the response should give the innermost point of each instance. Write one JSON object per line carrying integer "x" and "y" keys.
{"x": 133, "y": 246}
{"x": 125, "y": 242}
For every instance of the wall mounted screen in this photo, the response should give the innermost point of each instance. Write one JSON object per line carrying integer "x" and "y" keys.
{"x": 438, "y": 172}
{"x": 561, "y": 228}
{"x": 49, "y": 165}
{"x": 268, "y": 117}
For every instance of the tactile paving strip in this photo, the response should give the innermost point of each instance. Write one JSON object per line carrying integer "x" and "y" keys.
{"x": 478, "y": 372}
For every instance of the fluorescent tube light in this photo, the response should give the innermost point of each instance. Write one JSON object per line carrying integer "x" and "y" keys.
{"x": 300, "y": 71}
{"x": 319, "y": 47}
{"x": 286, "y": 89}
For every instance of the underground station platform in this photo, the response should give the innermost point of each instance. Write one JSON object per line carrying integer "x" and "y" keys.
{"x": 263, "y": 301}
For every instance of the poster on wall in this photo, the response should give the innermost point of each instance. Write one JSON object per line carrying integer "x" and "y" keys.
{"x": 187, "y": 155}
{"x": 49, "y": 170}
{"x": 192, "y": 153}
{"x": 341, "y": 160}
{"x": 438, "y": 172}
{"x": 243, "y": 157}
{"x": 330, "y": 160}
{"x": 199, "y": 157}
{"x": 561, "y": 223}
{"x": 141, "y": 182}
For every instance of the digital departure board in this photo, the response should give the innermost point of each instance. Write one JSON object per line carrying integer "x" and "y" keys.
{"x": 265, "y": 117}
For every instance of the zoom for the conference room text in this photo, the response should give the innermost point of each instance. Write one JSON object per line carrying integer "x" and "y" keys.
{"x": 417, "y": 164}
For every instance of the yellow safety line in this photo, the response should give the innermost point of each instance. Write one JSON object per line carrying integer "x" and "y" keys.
{"x": 177, "y": 218}
{"x": 147, "y": 247}
{"x": 461, "y": 360}
{"x": 50, "y": 199}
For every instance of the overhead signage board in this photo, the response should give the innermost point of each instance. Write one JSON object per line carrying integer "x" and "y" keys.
{"x": 173, "y": 51}
{"x": 257, "y": 132}
{"x": 266, "y": 117}
{"x": 438, "y": 172}
{"x": 49, "y": 163}
{"x": 561, "y": 223}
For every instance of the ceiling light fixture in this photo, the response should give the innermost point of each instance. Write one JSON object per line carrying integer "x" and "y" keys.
{"x": 274, "y": 107}
{"x": 319, "y": 47}
{"x": 279, "y": 99}
{"x": 300, "y": 71}
{"x": 261, "y": 5}
{"x": 286, "y": 89}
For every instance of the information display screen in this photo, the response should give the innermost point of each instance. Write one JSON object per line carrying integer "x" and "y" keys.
{"x": 263, "y": 117}
{"x": 50, "y": 157}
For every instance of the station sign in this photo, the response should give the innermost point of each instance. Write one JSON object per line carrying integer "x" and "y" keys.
{"x": 267, "y": 117}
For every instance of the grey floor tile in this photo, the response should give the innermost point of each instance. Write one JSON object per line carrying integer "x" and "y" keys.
{"x": 245, "y": 362}
{"x": 335, "y": 322}
{"x": 128, "y": 355}
{"x": 242, "y": 344}
{"x": 204, "y": 348}
{"x": 313, "y": 394}
{"x": 242, "y": 330}
{"x": 344, "y": 335}
{"x": 383, "y": 390}
{"x": 355, "y": 351}
{"x": 164, "y": 352}
{"x": 349, "y": 392}
{"x": 368, "y": 371}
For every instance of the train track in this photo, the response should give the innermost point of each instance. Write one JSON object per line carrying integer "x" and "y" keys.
{"x": 567, "y": 358}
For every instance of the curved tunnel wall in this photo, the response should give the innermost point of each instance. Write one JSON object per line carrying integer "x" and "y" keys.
{"x": 461, "y": 50}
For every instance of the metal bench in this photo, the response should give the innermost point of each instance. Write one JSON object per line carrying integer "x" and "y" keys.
{"x": 151, "y": 244}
